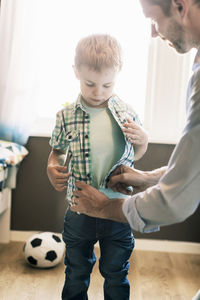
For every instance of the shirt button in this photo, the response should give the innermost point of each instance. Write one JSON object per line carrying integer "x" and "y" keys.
{"x": 86, "y": 154}
{"x": 86, "y": 136}
{"x": 69, "y": 137}
{"x": 88, "y": 175}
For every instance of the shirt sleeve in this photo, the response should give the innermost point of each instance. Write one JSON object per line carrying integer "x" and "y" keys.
{"x": 177, "y": 195}
{"x": 58, "y": 137}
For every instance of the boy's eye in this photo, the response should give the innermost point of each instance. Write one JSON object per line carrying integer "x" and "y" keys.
{"x": 92, "y": 85}
{"x": 89, "y": 84}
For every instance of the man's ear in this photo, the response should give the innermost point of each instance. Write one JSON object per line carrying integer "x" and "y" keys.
{"x": 180, "y": 7}
{"x": 76, "y": 72}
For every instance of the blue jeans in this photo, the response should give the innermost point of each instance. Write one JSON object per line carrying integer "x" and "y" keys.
{"x": 116, "y": 244}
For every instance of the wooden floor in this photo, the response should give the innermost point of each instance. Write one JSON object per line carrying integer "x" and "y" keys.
{"x": 153, "y": 276}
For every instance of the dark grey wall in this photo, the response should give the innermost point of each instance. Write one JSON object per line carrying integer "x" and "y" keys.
{"x": 36, "y": 206}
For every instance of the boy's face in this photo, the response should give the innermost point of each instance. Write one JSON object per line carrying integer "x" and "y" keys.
{"x": 96, "y": 87}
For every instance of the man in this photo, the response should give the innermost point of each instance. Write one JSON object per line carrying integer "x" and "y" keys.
{"x": 171, "y": 194}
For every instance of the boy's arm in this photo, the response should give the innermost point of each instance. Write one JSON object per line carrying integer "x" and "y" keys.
{"x": 140, "y": 150}
{"x": 57, "y": 170}
{"x": 137, "y": 136}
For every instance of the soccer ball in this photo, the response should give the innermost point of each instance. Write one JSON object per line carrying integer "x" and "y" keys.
{"x": 44, "y": 250}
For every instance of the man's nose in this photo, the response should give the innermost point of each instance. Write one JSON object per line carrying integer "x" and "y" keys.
{"x": 154, "y": 32}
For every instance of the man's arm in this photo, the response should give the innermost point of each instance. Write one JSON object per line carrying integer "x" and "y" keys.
{"x": 176, "y": 196}
{"x": 93, "y": 203}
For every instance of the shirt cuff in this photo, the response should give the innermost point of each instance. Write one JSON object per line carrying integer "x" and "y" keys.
{"x": 135, "y": 221}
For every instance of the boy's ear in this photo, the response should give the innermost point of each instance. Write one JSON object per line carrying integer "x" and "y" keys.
{"x": 181, "y": 7}
{"x": 76, "y": 72}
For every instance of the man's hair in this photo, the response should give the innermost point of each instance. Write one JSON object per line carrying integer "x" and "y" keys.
{"x": 166, "y": 5}
{"x": 197, "y": 2}
{"x": 98, "y": 51}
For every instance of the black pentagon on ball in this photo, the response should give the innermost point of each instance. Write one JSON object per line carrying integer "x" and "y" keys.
{"x": 56, "y": 238}
{"x": 51, "y": 255}
{"x": 36, "y": 242}
{"x": 32, "y": 260}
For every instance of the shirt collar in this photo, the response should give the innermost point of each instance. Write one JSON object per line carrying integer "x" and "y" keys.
{"x": 196, "y": 60}
{"x": 78, "y": 103}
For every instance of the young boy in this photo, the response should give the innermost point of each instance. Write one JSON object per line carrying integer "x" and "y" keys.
{"x": 96, "y": 134}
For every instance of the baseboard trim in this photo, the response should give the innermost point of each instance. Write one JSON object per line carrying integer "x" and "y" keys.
{"x": 22, "y": 236}
{"x": 140, "y": 244}
{"x": 167, "y": 246}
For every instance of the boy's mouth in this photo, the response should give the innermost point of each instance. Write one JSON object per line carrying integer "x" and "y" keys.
{"x": 97, "y": 100}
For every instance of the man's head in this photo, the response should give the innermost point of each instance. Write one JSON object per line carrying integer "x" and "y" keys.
{"x": 177, "y": 21}
{"x": 166, "y": 4}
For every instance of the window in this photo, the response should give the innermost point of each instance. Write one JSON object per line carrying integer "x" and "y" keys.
{"x": 167, "y": 80}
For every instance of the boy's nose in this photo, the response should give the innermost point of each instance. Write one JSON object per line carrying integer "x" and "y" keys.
{"x": 97, "y": 91}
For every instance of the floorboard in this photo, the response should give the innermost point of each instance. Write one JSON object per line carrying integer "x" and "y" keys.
{"x": 153, "y": 276}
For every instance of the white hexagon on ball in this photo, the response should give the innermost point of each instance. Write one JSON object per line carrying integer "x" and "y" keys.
{"x": 44, "y": 250}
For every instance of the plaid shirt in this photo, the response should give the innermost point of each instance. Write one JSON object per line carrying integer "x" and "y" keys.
{"x": 72, "y": 134}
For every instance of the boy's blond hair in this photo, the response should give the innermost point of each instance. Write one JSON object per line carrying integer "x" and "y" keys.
{"x": 98, "y": 51}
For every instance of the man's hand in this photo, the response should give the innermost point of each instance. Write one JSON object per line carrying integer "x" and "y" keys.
{"x": 90, "y": 201}
{"x": 124, "y": 177}
{"x": 58, "y": 177}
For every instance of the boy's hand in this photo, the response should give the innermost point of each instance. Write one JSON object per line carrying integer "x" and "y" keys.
{"x": 135, "y": 133}
{"x": 58, "y": 176}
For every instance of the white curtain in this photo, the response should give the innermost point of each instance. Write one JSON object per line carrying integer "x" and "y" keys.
{"x": 18, "y": 57}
